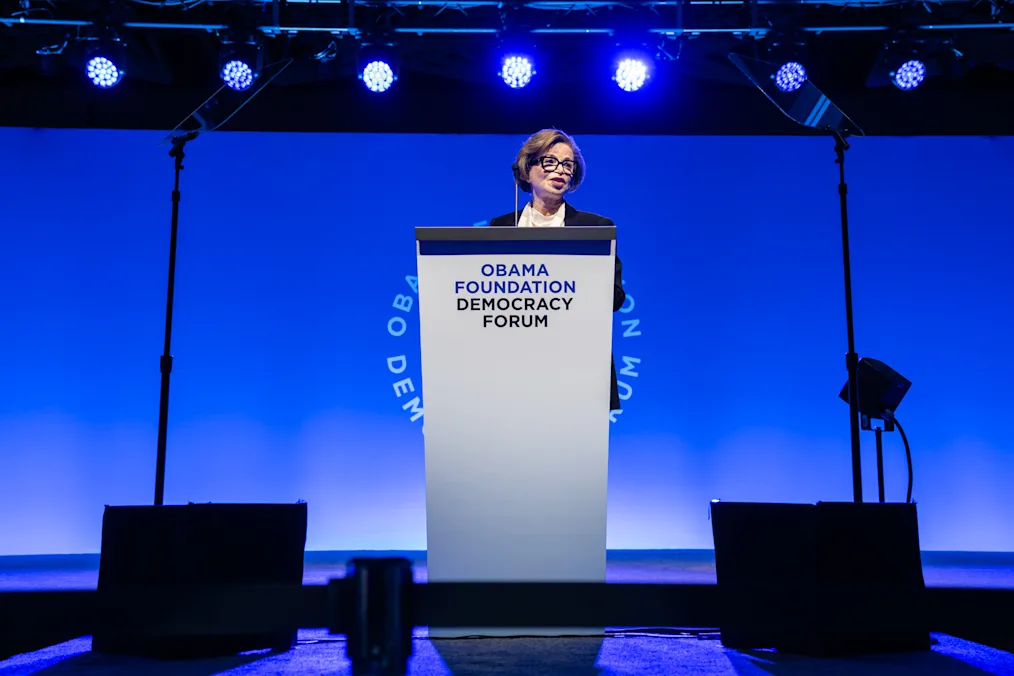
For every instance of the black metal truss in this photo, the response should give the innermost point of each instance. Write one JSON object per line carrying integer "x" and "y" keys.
{"x": 448, "y": 52}
{"x": 634, "y": 19}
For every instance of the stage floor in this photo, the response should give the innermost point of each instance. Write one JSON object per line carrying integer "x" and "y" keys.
{"x": 993, "y": 570}
{"x": 628, "y": 655}
{"x": 623, "y": 652}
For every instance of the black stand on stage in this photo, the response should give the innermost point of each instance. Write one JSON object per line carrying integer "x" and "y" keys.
{"x": 879, "y": 434}
{"x": 163, "y": 549}
{"x": 817, "y": 564}
{"x": 166, "y": 362}
{"x": 880, "y": 464}
{"x": 851, "y": 358}
{"x": 210, "y": 116}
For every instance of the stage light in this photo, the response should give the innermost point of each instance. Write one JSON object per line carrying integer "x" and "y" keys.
{"x": 103, "y": 72}
{"x": 631, "y": 74}
{"x": 909, "y": 75}
{"x": 378, "y": 76}
{"x": 517, "y": 71}
{"x": 789, "y": 49}
{"x": 240, "y": 60}
{"x": 237, "y": 75}
{"x": 790, "y": 76}
{"x": 881, "y": 390}
{"x": 908, "y": 63}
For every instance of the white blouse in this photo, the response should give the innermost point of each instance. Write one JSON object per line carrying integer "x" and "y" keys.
{"x": 530, "y": 218}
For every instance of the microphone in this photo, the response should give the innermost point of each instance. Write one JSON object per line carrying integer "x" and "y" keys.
{"x": 515, "y": 204}
{"x": 517, "y": 181}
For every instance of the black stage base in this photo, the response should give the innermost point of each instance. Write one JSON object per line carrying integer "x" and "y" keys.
{"x": 830, "y": 579}
{"x": 212, "y": 546}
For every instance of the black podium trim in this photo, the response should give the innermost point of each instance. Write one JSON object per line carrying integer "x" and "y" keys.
{"x": 473, "y": 234}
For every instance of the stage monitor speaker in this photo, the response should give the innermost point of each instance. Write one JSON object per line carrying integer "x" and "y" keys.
{"x": 196, "y": 546}
{"x": 830, "y": 579}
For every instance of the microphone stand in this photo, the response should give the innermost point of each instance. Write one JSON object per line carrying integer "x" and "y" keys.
{"x": 851, "y": 358}
{"x": 166, "y": 362}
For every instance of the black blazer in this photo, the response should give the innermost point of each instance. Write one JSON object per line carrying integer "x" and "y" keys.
{"x": 572, "y": 216}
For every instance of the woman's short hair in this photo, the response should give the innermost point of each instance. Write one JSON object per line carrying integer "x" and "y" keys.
{"x": 537, "y": 145}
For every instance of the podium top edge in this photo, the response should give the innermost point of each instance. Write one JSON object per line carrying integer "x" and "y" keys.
{"x": 498, "y": 234}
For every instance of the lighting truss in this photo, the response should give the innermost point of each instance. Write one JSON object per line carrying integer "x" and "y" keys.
{"x": 674, "y": 19}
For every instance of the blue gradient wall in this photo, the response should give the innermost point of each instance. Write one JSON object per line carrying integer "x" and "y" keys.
{"x": 293, "y": 250}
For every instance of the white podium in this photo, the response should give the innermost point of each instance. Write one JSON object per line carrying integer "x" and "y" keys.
{"x": 516, "y": 337}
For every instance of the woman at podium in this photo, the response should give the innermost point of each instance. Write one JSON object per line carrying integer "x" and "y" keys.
{"x": 550, "y": 165}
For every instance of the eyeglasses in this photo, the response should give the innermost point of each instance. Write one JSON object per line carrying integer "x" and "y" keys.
{"x": 552, "y": 164}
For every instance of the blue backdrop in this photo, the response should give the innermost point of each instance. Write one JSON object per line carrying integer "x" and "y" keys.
{"x": 295, "y": 252}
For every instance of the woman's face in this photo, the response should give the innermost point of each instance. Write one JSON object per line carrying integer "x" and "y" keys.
{"x": 553, "y": 172}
